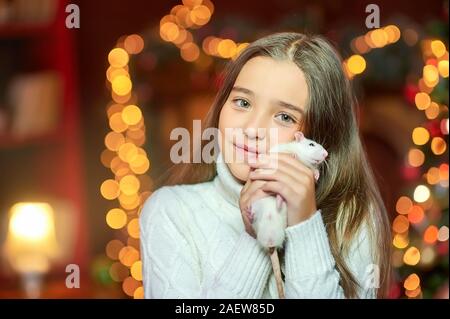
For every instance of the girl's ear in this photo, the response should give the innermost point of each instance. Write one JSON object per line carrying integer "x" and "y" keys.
{"x": 299, "y": 136}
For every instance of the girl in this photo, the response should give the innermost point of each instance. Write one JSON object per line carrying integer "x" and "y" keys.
{"x": 196, "y": 237}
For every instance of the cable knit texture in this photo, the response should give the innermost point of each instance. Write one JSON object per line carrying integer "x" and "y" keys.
{"x": 194, "y": 245}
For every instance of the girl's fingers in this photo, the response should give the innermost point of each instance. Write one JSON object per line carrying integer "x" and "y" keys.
{"x": 270, "y": 175}
{"x": 277, "y": 188}
{"x": 275, "y": 161}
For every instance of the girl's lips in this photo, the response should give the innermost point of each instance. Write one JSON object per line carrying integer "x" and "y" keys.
{"x": 246, "y": 149}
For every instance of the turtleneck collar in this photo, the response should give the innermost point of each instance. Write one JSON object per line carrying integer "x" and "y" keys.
{"x": 228, "y": 186}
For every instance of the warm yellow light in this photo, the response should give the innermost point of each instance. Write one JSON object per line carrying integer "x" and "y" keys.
{"x": 140, "y": 164}
{"x": 400, "y": 224}
{"x": 420, "y": 136}
{"x": 189, "y": 52}
{"x": 430, "y": 75}
{"x": 116, "y": 218}
{"x": 133, "y": 228}
{"x": 443, "y": 68}
{"x": 114, "y": 140}
{"x": 128, "y": 152}
{"x": 128, "y": 255}
{"x": 411, "y": 282}
{"x": 136, "y": 270}
{"x": 412, "y": 256}
{"x": 393, "y": 33}
{"x": 31, "y": 221}
{"x": 356, "y": 64}
{"x": 432, "y": 111}
{"x": 134, "y": 44}
{"x": 112, "y": 73}
{"x": 118, "y": 58}
{"x": 129, "y": 184}
{"x": 403, "y": 205}
{"x": 139, "y": 293}
{"x": 438, "y": 48}
{"x": 227, "y": 48}
{"x": 401, "y": 241}
{"x": 421, "y": 194}
{"x": 169, "y": 31}
{"x": 31, "y": 239}
{"x": 379, "y": 38}
{"x": 422, "y": 100}
{"x": 130, "y": 285}
{"x": 116, "y": 123}
{"x": 438, "y": 145}
{"x": 110, "y": 189}
{"x": 241, "y": 47}
{"x": 433, "y": 176}
{"x": 131, "y": 114}
{"x": 121, "y": 85}
{"x": 200, "y": 15}
{"x": 416, "y": 157}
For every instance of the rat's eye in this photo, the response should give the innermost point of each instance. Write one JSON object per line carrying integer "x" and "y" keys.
{"x": 241, "y": 103}
{"x": 311, "y": 144}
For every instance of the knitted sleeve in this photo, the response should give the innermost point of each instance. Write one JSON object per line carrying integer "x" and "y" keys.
{"x": 171, "y": 265}
{"x": 310, "y": 267}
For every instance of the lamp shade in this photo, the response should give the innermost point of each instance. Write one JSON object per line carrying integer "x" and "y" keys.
{"x": 31, "y": 241}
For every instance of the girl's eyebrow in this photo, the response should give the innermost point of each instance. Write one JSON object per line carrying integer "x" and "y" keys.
{"x": 290, "y": 106}
{"x": 279, "y": 102}
{"x": 243, "y": 90}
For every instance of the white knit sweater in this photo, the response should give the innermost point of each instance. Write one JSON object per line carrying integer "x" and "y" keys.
{"x": 194, "y": 245}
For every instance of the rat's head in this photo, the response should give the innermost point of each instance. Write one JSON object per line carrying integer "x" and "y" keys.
{"x": 309, "y": 150}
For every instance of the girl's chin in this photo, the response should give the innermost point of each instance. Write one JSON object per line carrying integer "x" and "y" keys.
{"x": 239, "y": 171}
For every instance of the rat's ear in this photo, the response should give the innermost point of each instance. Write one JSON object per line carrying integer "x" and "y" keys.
{"x": 299, "y": 136}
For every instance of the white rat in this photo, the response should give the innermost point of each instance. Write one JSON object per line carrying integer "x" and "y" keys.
{"x": 269, "y": 214}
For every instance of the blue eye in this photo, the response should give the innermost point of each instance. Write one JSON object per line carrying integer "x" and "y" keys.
{"x": 286, "y": 118}
{"x": 244, "y": 104}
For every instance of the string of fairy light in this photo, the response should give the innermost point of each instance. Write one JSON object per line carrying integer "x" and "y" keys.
{"x": 416, "y": 210}
{"x": 192, "y": 14}
{"x": 129, "y": 162}
{"x": 412, "y": 210}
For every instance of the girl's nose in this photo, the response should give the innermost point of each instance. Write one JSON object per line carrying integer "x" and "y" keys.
{"x": 253, "y": 133}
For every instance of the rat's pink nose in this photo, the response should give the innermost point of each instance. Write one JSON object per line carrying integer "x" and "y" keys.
{"x": 325, "y": 154}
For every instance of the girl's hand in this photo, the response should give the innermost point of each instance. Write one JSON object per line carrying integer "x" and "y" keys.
{"x": 249, "y": 193}
{"x": 291, "y": 179}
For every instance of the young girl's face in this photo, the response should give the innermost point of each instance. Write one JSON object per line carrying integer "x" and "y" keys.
{"x": 268, "y": 95}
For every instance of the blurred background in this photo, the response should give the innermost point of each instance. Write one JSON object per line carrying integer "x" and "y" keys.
{"x": 86, "y": 115}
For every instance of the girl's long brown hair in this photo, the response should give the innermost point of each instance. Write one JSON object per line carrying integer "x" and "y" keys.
{"x": 346, "y": 191}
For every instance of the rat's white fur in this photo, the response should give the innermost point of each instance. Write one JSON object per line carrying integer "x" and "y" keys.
{"x": 270, "y": 213}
